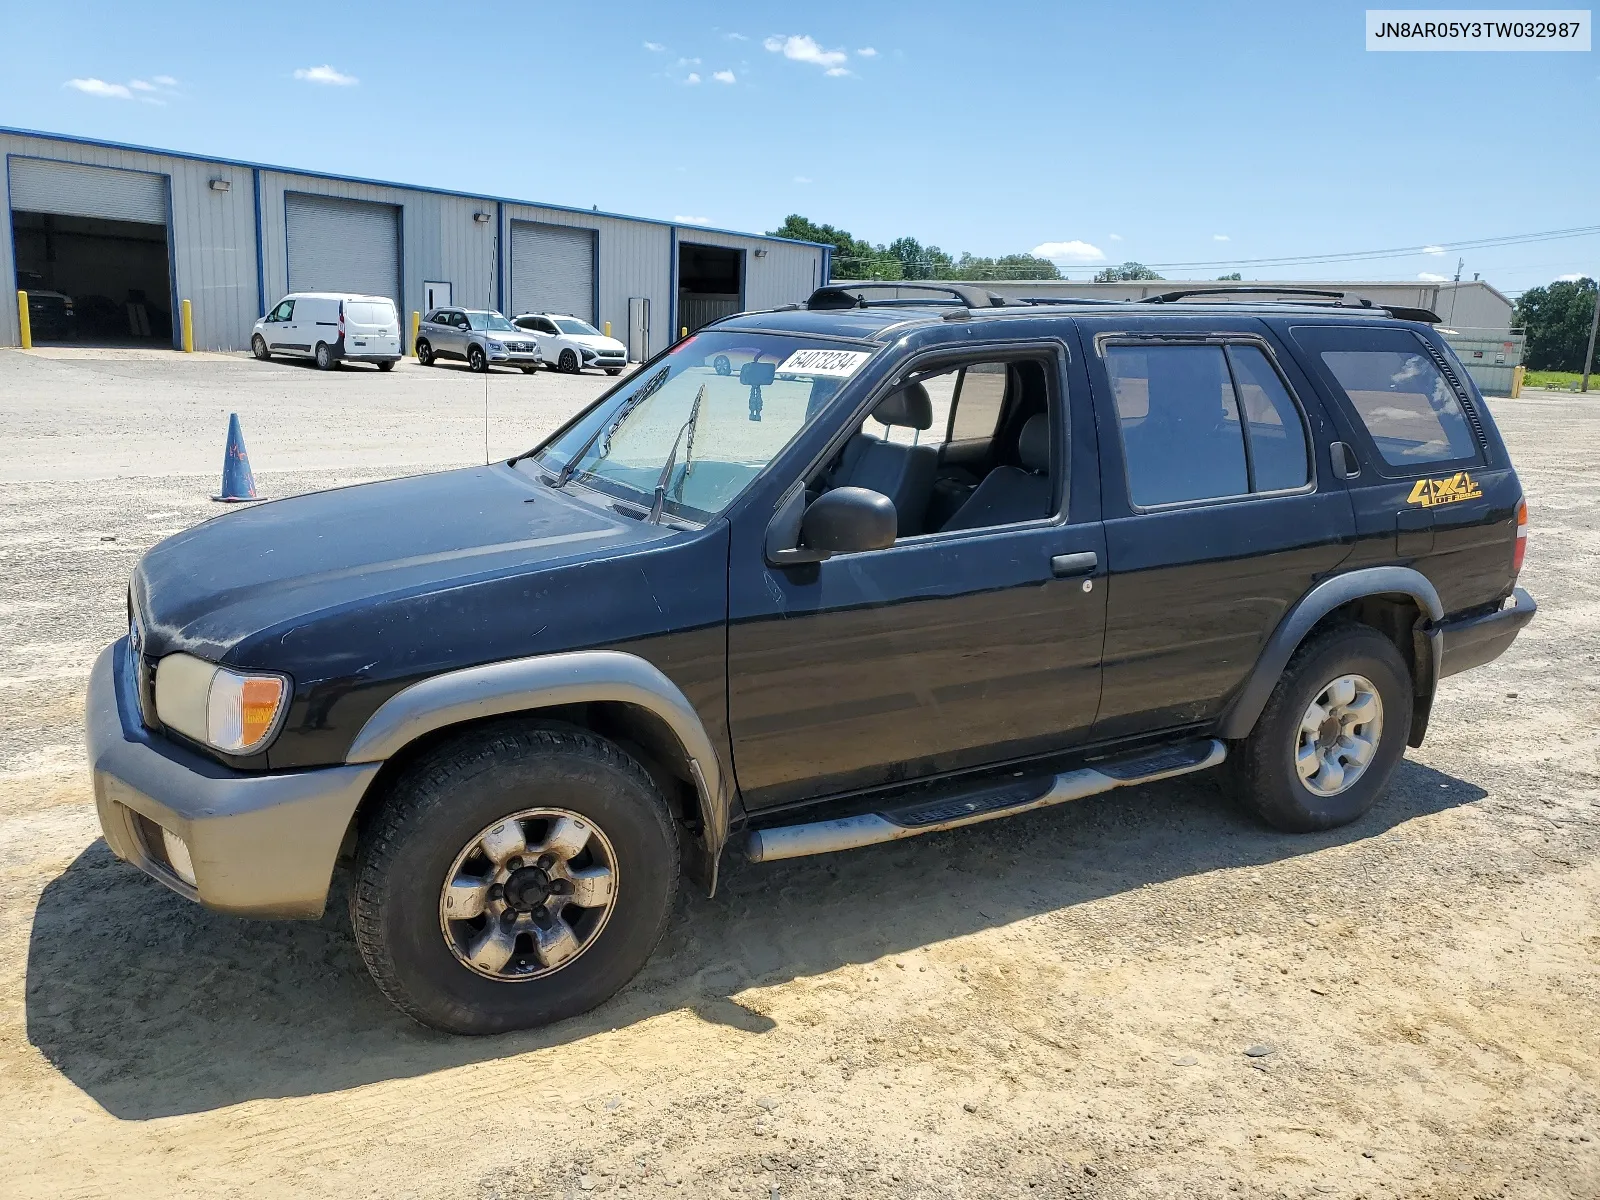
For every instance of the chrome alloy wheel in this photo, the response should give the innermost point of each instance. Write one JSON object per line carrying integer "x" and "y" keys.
{"x": 1339, "y": 735}
{"x": 528, "y": 894}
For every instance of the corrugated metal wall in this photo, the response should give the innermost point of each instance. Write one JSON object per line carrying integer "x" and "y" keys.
{"x": 213, "y": 244}
{"x": 212, "y": 237}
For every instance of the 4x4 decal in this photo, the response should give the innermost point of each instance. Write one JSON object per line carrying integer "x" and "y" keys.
{"x": 1451, "y": 490}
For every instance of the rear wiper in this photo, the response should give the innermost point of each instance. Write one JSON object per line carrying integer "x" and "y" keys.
{"x": 672, "y": 458}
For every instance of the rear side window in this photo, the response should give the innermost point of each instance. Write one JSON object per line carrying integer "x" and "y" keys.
{"x": 1407, "y": 405}
{"x": 1192, "y": 429}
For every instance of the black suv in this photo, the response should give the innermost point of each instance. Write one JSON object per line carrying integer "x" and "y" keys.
{"x": 821, "y": 577}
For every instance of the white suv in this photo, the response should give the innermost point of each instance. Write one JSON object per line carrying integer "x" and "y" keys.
{"x": 571, "y": 345}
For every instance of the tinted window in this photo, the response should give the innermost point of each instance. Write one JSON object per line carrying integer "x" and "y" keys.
{"x": 1406, "y": 404}
{"x": 1180, "y": 423}
{"x": 1279, "y": 456}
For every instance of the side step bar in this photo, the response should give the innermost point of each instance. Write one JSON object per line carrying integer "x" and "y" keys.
{"x": 968, "y": 808}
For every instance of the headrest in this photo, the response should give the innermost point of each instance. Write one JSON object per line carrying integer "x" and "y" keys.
{"x": 1033, "y": 443}
{"x": 909, "y": 407}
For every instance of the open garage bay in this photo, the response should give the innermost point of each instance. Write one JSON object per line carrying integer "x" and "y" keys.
{"x": 1056, "y": 1005}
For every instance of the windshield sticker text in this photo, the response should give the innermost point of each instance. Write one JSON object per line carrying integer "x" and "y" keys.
{"x": 835, "y": 363}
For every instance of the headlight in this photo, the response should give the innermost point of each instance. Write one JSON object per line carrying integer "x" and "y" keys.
{"x": 497, "y": 345}
{"x": 232, "y": 711}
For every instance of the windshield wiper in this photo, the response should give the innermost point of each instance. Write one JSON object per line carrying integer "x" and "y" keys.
{"x": 672, "y": 458}
{"x": 651, "y": 386}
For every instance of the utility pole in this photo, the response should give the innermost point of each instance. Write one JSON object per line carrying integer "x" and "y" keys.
{"x": 1594, "y": 327}
{"x": 1460, "y": 262}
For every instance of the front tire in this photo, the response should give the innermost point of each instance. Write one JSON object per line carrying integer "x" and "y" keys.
{"x": 568, "y": 362}
{"x": 529, "y": 370}
{"x": 1332, "y": 732}
{"x": 515, "y": 876}
{"x": 477, "y": 360}
{"x": 613, "y": 370}
{"x": 258, "y": 347}
{"x": 425, "y": 353}
{"x": 324, "y": 357}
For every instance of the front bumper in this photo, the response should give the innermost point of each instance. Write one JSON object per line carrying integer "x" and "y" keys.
{"x": 514, "y": 358}
{"x": 1476, "y": 640}
{"x": 262, "y": 844}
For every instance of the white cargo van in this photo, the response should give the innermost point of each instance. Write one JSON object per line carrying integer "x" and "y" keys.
{"x": 330, "y": 328}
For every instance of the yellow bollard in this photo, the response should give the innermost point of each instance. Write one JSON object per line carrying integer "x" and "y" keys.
{"x": 23, "y": 319}
{"x": 1517, "y": 373}
{"x": 416, "y": 327}
{"x": 685, "y": 332}
{"x": 608, "y": 328}
{"x": 188, "y": 328}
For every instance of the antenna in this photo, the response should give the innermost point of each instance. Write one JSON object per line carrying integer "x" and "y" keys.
{"x": 494, "y": 265}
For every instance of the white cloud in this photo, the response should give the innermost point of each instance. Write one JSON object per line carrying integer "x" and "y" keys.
{"x": 325, "y": 74}
{"x": 1074, "y": 251}
{"x": 736, "y": 37}
{"x": 724, "y": 76}
{"x": 837, "y": 71}
{"x": 166, "y": 81}
{"x": 140, "y": 85}
{"x": 688, "y": 62}
{"x": 692, "y": 220}
{"x": 1571, "y": 277}
{"x": 654, "y": 47}
{"x": 1433, "y": 249}
{"x": 803, "y": 48}
{"x": 867, "y": 52}
{"x": 99, "y": 87}
{"x": 802, "y": 179}
{"x": 1430, "y": 277}
{"x": 1115, "y": 237}
{"x": 1219, "y": 237}
{"x": 694, "y": 77}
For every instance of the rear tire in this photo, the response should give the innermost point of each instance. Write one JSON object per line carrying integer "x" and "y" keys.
{"x": 453, "y": 800}
{"x": 386, "y": 365}
{"x": 425, "y": 353}
{"x": 324, "y": 357}
{"x": 1332, "y": 732}
{"x": 477, "y": 360}
{"x": 258, "y": 347}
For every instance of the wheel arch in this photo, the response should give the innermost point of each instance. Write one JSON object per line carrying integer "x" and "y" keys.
{"x": 612, "y": 693}
{"x": 1400, "y": 602}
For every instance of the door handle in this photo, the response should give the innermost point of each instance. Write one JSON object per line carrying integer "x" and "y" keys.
{"x": 1065, "y": 566}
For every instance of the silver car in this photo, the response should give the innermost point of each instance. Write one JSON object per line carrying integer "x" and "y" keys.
{"x": 479, "y": 337}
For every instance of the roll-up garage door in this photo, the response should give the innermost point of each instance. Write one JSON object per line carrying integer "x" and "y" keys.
{"x": 552, "y": 269}
{"x": 76, "y": 190}
{"x": 339, "y": 245}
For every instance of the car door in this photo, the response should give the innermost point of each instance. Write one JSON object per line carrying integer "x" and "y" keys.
{"x": 946, "y": 651}
{"x": 1221, "y": 509}
{"x": 279, "y": 328}
{"x": 449, "y": 340}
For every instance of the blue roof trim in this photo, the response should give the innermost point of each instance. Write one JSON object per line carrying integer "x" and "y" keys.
{"x": 388, "y": 183}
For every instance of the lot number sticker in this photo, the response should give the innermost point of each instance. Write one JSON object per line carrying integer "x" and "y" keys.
{"x": 836, "y": 363}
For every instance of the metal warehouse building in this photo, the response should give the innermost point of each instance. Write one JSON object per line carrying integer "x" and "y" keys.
{"x": 129, "y": 232}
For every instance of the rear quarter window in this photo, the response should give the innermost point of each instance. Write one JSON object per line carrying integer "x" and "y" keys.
{"x": 1395, "y": 389}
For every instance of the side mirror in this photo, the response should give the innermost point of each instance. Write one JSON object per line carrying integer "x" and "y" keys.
{"x": 849, "y": 519}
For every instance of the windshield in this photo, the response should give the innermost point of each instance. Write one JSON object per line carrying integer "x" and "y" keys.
{"x": 573, "y": 325}
{"x": 755, "y": 392}
{"x": 491, "y": 321}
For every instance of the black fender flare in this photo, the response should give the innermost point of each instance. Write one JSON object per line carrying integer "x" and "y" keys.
{"x": 1242, "y": 714}
{"x": 547, "y": 681}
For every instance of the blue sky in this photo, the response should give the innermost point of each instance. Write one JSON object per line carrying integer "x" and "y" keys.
{"x": 1166, "y": 133}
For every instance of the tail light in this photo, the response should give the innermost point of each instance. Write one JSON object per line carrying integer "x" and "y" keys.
{"x": 341, "y": 318}
{"x": 1521, "y": 550}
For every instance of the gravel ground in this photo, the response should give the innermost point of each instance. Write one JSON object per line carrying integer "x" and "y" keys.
{"x": 1142, "y": 994}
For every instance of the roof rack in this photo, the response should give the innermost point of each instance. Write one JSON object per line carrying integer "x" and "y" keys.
{"x": 835, "y": 296}
{"x": 1337, "y": 299}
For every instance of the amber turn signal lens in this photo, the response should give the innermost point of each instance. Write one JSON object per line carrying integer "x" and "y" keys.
{"x": 1521, "y": 551}
{"x": 243, "y": 710}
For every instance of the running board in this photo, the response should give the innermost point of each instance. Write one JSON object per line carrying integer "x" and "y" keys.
{"x": 968, "y": 808}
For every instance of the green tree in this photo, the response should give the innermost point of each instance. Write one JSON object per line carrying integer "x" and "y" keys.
{"x": 1127, "y": 271}
{"x": 852, "y": 257}
{"x": 1235, "y": 276}
{"x": 920, "y": 262}
{"x": 1557, "y": 320}
{"x": 1007, "y": 266}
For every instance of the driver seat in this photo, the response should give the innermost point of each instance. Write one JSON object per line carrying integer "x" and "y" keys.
{"x": 901, "y": 472}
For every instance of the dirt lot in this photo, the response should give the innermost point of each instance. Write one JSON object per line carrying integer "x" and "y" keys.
{"x": 1057, "y": 1005}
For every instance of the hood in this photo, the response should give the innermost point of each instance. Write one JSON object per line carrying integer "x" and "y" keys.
{"x": 596, "y": 341}
{"x": 231, "y": 589}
